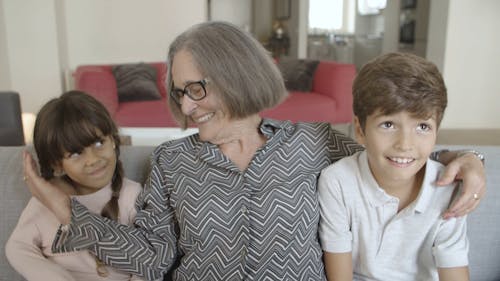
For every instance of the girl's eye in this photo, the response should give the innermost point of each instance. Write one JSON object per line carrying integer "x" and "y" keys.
{"x": 387, "y": 125}
{"x": 99, "y": 143}
{"x": 73, "y": 155}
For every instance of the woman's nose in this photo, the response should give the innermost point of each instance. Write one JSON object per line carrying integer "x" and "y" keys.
{"x": 187, "y": 105}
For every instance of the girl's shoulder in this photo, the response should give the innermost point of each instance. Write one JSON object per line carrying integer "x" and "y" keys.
{"x": 130, "y": 187}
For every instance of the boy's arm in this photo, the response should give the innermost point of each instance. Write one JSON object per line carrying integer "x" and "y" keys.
{"x": 338, "y": 266}
{"x": 453, "y": 273}
{"x": 334, "y": 228}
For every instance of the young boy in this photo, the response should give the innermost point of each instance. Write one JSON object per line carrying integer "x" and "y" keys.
{"x": 381, "y": 211}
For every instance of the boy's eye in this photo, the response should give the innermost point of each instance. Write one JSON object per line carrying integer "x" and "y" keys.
{"x": 387, "y": 125}
{"x": 424, "y": 127}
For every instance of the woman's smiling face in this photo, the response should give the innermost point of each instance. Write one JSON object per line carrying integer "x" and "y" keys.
{"x": 209, "y": 114}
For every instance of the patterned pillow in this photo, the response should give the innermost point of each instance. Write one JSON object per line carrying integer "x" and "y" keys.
{"x": 298, "y": 73}
{"x": 136, "y": 82}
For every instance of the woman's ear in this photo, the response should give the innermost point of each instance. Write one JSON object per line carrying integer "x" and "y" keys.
{"x": 359, "y": 133}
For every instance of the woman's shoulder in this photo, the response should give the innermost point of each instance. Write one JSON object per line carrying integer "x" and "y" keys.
{"x": 181, "y": 145}
{"x": 311, "y": 130}
{"x": 292, "y": 128}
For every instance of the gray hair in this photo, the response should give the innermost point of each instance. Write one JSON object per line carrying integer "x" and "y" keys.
{"x": 243, "y": 73}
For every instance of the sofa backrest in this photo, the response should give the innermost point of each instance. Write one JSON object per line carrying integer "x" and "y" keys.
{"x": 335, "y": 80}
{"x": 81, "y": 71}
{"x": 483, "y": 229}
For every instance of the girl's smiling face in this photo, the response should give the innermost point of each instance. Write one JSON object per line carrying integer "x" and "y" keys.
{"x": 92, "y": 168}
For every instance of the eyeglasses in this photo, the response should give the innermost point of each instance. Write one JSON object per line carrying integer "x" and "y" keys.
{"x": 194, "y": 90}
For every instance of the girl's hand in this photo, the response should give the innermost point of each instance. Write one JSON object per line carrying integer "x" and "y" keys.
{"x": 470, "y": 170}
{"x": 54, "y": 198}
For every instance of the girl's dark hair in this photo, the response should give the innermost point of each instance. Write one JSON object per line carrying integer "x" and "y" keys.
{"x": 70, "y": 123}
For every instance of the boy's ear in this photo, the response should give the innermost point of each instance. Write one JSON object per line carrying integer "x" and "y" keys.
{"x": 358, "y": 131}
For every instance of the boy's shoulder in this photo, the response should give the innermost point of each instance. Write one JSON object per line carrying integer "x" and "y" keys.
{"x": 345, "y": 166}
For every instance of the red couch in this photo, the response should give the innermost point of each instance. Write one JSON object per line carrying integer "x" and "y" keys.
{"x": 330, "y": 99}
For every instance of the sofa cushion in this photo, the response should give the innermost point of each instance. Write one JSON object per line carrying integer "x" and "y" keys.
{"x": 136, "y": 82}
{"x": 311, "y": 107}
{"x": 298, "y": 73}
{"x": 132, "y": 114}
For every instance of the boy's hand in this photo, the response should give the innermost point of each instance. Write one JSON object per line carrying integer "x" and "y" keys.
{"x": 47, "y": 193}
{"x": 470, "y": 170}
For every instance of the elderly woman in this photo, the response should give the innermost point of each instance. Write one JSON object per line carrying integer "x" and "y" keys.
{"x": 237, "y": 200}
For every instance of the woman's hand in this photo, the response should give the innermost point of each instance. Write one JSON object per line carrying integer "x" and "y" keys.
{"x": 470, "y": 170}
{"x": 54, "y": 198}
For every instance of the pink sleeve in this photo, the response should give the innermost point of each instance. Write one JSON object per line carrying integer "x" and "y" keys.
{"x": 128, "y": 195}
{"x": 23, "y": 249}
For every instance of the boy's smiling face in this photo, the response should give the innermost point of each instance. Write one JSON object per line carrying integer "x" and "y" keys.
{"x": 398, "y": 145}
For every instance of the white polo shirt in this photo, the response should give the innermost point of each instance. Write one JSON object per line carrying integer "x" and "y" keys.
{"x": 360, "y": 217}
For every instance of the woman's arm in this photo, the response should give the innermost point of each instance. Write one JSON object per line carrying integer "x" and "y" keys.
{"x": 24, "y": 253}
{"x": 146, "y": 249}
{"x": 468, "y": 168}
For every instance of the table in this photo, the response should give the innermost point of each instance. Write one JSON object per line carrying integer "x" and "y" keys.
{"x": 152, "y": 136}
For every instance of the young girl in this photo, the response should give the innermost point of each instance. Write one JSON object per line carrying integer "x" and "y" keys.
{"x": 77, "y": 145}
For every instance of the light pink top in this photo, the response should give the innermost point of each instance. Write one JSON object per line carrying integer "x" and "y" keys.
{"x": 29, "y": 247}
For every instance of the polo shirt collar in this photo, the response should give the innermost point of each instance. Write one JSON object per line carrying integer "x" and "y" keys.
{"x": 378, "y": 196}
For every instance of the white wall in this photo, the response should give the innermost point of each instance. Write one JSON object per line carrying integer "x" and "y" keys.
{"x": 436, "y": 35}
{"x": 31, "y": 42}
{"x": 4, "y": 58}
{"x": 39, "y": 52}
{"x": 471, "y": 64}
{"x": 119, "y": 31}
{"x": 36, "y": 49}
{"x": 238, "y": 12}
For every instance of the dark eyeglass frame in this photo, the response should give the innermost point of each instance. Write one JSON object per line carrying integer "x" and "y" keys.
{"x": 175, "y": 93}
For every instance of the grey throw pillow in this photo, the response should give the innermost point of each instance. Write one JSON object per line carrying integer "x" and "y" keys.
{"x": 298, "y": 73}
{"x": 136, "y": 82}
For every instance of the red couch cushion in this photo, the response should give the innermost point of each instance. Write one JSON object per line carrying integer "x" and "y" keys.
{"x": 132, "y": 114}
{"x": 329, "y": 101}
{"x": 307, "y": 107}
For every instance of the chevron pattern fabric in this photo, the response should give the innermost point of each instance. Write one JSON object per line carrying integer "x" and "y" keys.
{"x": 222, "y": 223}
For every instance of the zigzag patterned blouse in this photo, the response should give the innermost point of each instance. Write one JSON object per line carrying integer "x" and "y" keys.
{"x": 204, "y": 219}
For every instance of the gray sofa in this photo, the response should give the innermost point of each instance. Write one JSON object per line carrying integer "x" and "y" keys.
{"x": 484, "y": 233}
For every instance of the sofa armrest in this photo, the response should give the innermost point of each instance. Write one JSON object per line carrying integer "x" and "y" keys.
{"x": 335, "y": 80}
{"x": 100, "y": 84}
